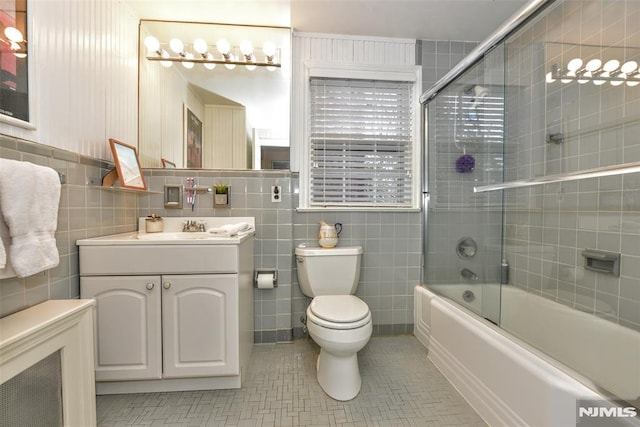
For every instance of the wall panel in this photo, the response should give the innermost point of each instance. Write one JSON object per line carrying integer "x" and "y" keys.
{"x": 85, "y": 75}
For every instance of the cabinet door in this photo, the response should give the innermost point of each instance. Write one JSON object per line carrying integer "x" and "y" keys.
{"x": 200, "y": 325}
{"x": 127, "y": 326}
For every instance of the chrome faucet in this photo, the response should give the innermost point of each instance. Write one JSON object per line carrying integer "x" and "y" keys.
{"x": 192, "y": 226}
{"x": 468, "y": 274}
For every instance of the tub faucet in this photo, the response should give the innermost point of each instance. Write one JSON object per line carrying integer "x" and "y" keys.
{"x": 468, "y": 274}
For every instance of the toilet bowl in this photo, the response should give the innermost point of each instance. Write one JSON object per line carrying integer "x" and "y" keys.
{"x": 341, "y": 334}
{"x": 338, "y": 321}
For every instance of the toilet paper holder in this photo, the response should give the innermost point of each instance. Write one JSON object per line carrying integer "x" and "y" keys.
{"x": 273, "y": 272}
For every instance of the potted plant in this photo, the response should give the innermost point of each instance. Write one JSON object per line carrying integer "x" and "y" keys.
{"x": 221, "y": 198}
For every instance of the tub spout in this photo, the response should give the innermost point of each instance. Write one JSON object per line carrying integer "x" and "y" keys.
{"x": 468, "y": 274}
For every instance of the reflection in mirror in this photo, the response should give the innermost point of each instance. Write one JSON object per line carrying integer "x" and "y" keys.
{"x": 243, "y": 107}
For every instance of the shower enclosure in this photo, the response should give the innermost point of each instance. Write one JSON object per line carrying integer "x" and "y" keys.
{"x": 532, "y": 154}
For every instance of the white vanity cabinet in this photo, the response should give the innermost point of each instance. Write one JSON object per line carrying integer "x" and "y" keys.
{"x": 189, "y": 320}
{"x": 200, "y": 330}
{"x": 127, "y": 326}
{"x": 189, "y": 326}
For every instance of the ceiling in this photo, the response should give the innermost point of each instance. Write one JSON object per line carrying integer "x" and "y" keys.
{"x": 461, "y": 20}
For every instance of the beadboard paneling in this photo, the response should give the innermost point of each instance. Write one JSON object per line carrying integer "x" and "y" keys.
{"x": 84, "y": 56}
{"x": 338, "y": 49}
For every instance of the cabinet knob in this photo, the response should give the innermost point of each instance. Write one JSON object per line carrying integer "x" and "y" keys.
{"x": 166, "y": 285}
{"x": 150, "y": 285}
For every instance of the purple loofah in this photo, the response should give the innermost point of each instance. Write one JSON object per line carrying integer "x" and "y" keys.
{"x": 465, "y": 163}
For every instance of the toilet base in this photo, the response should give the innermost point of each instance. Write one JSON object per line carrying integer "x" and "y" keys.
{"x": 339, "y": 376}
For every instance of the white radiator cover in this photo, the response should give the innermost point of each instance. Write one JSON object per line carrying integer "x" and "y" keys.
{"x": 31, "y": 335}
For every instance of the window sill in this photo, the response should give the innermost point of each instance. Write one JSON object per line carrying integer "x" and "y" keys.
{"x": 357, "y": 209}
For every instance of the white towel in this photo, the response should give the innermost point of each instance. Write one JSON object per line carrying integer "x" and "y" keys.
{"x": 231, "y": 229}
{"x": 29, "y": 199}
{"x": 6, "y": 270}
{"x": 4, "y": 240}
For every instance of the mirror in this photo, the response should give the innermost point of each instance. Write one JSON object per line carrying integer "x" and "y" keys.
{"x": 15, "y": 102}
{"x": 127, "y": 171}
{"x": 244, "y": 113}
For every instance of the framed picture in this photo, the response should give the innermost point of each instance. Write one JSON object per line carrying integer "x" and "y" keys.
{"x": 128, "y": 170}
{"x": 167, "y": 164}
{"x": 16, "y": 66}
{"x": 192, "y": 139}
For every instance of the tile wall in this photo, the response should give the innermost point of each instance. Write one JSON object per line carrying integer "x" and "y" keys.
{"x": 548, "y": 227}
{"x": 391, "y": 242}
{"x": 250, "y": 196}
{"x": 85, "y": 211}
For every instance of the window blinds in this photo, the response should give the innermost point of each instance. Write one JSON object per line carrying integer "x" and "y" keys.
{"x": 361, "y": 141}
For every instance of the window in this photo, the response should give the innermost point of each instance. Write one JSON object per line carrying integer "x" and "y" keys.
{"x": 362, "y": 150}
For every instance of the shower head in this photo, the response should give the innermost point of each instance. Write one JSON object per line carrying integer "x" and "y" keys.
{"x": 479, "y": 93}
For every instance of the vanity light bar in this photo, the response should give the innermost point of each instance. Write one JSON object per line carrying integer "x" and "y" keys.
{"x": 15, "y": 42}
{"x": 228, "y": 55}
{"x": 613, "y": 71}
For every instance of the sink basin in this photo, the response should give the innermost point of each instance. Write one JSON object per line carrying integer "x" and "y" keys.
{"x": 176, "y": 236}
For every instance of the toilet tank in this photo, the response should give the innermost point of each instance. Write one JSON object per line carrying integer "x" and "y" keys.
{"x": 333, "y": 271}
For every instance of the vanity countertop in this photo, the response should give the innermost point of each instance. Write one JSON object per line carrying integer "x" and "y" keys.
{"x": 173, "y": 234}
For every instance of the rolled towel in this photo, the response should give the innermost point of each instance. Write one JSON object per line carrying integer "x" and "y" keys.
{"x": 230, "y": 229}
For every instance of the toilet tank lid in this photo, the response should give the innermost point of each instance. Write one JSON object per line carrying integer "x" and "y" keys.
{"x": 342, "y": 250}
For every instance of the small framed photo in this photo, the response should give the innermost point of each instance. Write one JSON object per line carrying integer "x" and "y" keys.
{"x": 167, "y": 164}
{"x": 128, "y": 171}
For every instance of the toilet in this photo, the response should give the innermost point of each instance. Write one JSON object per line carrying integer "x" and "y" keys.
{"x": 338, "y": 321}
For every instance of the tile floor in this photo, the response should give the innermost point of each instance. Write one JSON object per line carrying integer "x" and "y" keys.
{"x": 401, "y": 387}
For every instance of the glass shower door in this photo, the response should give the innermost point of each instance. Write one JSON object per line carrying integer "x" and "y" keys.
{"x": 464, "y": 135}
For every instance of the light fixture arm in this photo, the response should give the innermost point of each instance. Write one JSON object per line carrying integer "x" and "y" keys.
{"x": 212, "y": 61}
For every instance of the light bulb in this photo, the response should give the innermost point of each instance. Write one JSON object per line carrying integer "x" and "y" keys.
{"x": 629, "y": 67}
{"x": 246, "y": 47}
{"x": 269, "y": 49}
{"x": 200, "y": 46}
{"x": 549, "y": 77}
{"x": 223, "y": 46}
{"x": 601, "y": 82}
{"x": 231, "y": 58}
{"x": 586, "y": 76}
{"x": 635, "y": 81}
{"x": 622, "y": 77}
{"x": 209, "y": 65}
{"x": 176, "y": 45}
{"x": 152, "y": 43}
{"x": 20, "y": 55}
{"x": 14, "y": 34}
{"x": 165, "y": 54}
{"x": 569, "y": 74}
{"x": 611, "y": 65}
{"x": 271, "y": 68}
{"x": 188, "y": 65}
{"x": 574, "y": 64}
{"x": 593, "y": 65}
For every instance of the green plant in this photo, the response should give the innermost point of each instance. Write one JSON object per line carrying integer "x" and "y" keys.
{"x": 221, "y": 188}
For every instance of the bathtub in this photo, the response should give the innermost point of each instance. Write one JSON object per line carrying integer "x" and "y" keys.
{"x": 507, "y": 381}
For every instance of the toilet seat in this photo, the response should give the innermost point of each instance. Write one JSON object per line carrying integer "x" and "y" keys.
{"x": 339, "y": 312}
